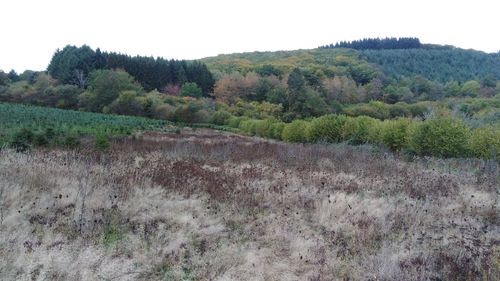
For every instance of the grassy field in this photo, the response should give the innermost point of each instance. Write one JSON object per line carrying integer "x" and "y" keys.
{"x": 207, "y": 205}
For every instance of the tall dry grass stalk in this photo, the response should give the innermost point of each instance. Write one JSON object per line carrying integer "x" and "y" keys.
{"x": 210, "y": 206}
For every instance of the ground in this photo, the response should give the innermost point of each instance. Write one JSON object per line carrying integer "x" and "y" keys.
{"x": 206, "y": 205}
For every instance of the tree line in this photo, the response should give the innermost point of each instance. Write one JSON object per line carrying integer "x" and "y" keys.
{"x": 378, "y": 44}
{"x": 72, "y": 65}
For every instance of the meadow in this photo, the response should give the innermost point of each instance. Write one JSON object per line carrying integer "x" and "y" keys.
{"x": 209, "y": 205}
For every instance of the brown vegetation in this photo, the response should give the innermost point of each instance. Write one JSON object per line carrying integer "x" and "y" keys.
{"x": 205, "y": 205}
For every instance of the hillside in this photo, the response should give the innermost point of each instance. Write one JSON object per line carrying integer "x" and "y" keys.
{"x": 328, "y": 61}
{"x": 327, "y": 94}
{"x": 438, "y": 64}
{"x": 433, "y": 62}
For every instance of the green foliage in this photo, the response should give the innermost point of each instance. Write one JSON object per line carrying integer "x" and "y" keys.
{"x": 382, "y": 111}
{"x": 296, "y": 81}
{"x": 221, "y": 117}
{"x": 378, "y": 44}
{"x": 328, "y": 128}
{"x": 485, "y": 142}
{"x": 323, "y": 60}
{"x": 268, "y": 69}
{"x": 358, "y": 130}
{"x": 442, "y": 64}
{"x": 275, "y": 130}
{"x": 101, "y": 142}
{"x": 441, "y": 137}
{"x": 191, "y": 90}
{"x": 266, "y": 128}
{"x": 277, "y": 95}
{"x": 112, "y": 235}
{"x": 22, "y": 140}
{"x": 127, "y": 103}
{"x": 235, "y": 122}
{"x": 248, "y": 126}
{"x": 104, "y": 87}
{"x": 471, "y": 88}
{"x": 362, "y": 73}
{"x": 313, "y": 105}
{"x": 394, "y": 133}
{"x": 72, "y": 65}
{"x": 295, "y": 131}
{"x": 47, "y": 126}
{"x": 191, "y": 112}
{"x": 71, "y": 140}
{"x": 4, "y": 79}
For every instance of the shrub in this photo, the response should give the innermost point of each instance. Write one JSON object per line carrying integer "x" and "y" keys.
{"x": 101, "y": 142}
{"x": 71, "y": 141}
{"x": 235, "y": 122}
{"x": 127, "y": 103}
{"x": 22, "y": 140}
{"x": 248, "y": 126}
{"x": 220, "y": 117}
{"x": 485, "y": 143}
{"x": 394, "y": 133}
{"x": 40, "y": 139}
{"x": 165, "y": 112}
{"x": 443, "y": 137}
{"x": 187, "y": 113}
{"x": 357, "y": 130}
{"x": 202, "y": 116}
{"x": 399, "y": 110}
{"x": 275, "y": 130}
{"x": 262, "y": 127}
{"x": 329, "y": 128}
{"x": 418, "y": 110}
{"x": 295, "y": 131}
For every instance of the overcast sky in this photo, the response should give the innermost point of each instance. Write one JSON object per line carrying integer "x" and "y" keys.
{"x": 33, "y": 29}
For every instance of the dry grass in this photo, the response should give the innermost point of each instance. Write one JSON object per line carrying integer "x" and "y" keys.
{"x": 210, "y": 206}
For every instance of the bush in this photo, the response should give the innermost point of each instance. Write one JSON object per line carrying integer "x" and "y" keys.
{"x": 399, "y": 110}
{"x": 442, "y": 137}
{"x": 485, "y": 143}
{"x": 101, "y": 142}
{"x": 187, "y": 113}
{"x": 22, "y": 140}
{"x": 329, "y": 128}
{"x": 275, "y": 130}
{"x": 127, "y": 103}
{"x": 165, "y": 112}
{"x": 357, "y": 130}
{"x": 202, "y": 116}
{"x": 248, "y": 126}
{"x": 220, "y": 117}
{"x": 295, "y": 131}
{"x": 40, "y": 139}
{"x": 235, "y": 122}
{"x": 71, "y": 141}
{"x": 394, "y": 133}
{"x": 262, "y": 127}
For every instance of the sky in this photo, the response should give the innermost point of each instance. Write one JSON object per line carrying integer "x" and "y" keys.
{"x": 191, "y": 29}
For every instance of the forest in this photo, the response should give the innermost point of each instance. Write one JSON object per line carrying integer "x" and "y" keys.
{"x": 330, "y": 94}
{"x": 378, "y": 44}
